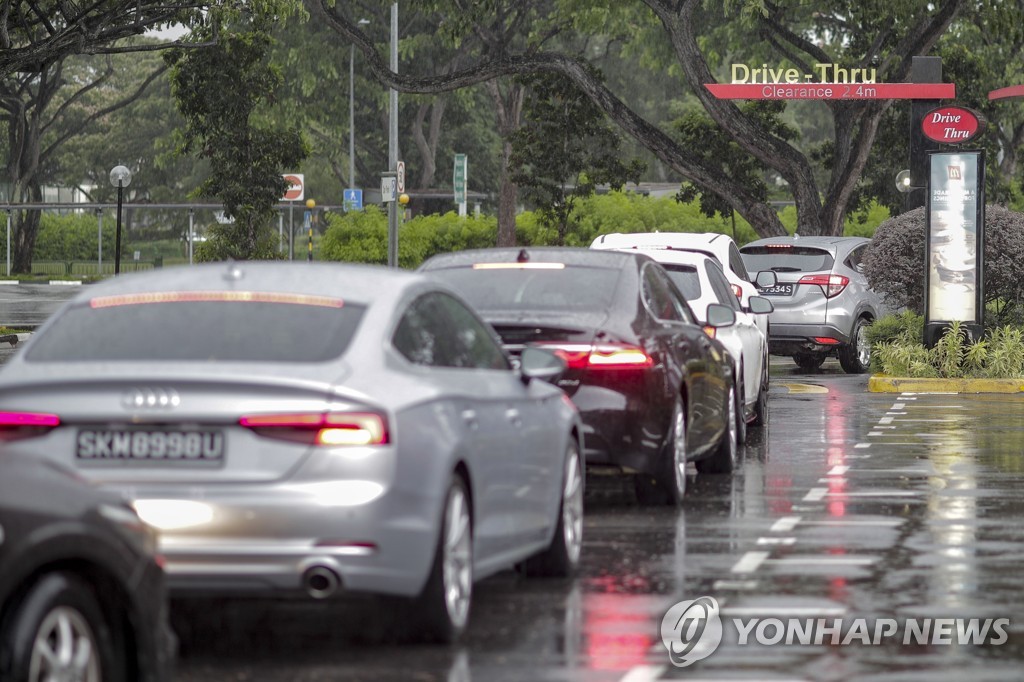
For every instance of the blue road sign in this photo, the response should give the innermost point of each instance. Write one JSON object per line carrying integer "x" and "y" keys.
{"x": 353, "y": 199}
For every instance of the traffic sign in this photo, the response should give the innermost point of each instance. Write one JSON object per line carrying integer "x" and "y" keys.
{"x": 388, "y": 188}
{"x": 459, "y": 178}
{"x": 296, "y": 187}
{"x": 401, "y": 176}
{"x": 353, "y": 199}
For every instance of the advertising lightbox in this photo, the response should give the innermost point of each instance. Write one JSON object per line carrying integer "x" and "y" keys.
{"x": 954, "y": 287}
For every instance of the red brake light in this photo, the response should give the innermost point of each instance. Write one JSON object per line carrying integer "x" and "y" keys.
{"x": 602, "y": 356}
{"x": 831, "y": 285}
{"x": 826, "y": 340}
{"x": 19, "y": 425}
{"x": 332, "y": 429}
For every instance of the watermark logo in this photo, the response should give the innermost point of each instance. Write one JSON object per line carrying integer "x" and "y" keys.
{"x": 691, "y": 630}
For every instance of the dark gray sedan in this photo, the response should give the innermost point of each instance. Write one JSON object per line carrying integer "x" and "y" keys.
{"x": 309, "y": 430}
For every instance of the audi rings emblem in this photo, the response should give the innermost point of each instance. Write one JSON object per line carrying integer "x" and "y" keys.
{"x": 151, "y": 398}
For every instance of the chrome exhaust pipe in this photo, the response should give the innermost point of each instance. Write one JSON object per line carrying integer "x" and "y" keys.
{"x": 321, "y": 582}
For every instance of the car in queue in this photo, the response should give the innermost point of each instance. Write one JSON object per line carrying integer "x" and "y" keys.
{"x": 721, "y": 247}
{"x": 309, "y": 431}
{"x": 654, "y": 391}
{"x": 823, "y": 302}
{"x": 702, "y": 282}
{"x": 82, "y": 593}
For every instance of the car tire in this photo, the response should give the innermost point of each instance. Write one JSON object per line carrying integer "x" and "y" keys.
{"x": 761, "y": 407}
{"x": 61, "y": 615}
{"x": 562, "y": 556}
{"x": 443, "y": 605}
{"x": 809, "y": 362}
{"x": 855, "y": 357}
{"x": 668, "y": 486}
{"x": 723, "y": 459}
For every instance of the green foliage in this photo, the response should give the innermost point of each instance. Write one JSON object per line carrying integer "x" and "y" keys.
{"x": 362, "y": 236}
{"x": 698, "y": 133}
{"x": 222, "y": 92}
{"x": 999, "y": 356}
{"x": 564, "y": 148}
{"x": 895, "y": 263}
{"x": 72, "y": 237}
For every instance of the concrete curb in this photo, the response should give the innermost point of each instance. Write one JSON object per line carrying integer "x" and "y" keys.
{"x": 884, "y": 384}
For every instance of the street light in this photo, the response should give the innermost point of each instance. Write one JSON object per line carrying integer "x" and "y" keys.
{"x": 120, "y": 177}
{"x": 352, "y": 110}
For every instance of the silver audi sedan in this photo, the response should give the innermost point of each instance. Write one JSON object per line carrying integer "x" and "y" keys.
{"x": 309, "y": 430}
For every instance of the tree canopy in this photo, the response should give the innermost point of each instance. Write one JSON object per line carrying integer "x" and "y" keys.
{"x": 698, "y": 41}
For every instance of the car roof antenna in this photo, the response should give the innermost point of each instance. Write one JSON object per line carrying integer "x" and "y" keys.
{"x": 523, "y": 256}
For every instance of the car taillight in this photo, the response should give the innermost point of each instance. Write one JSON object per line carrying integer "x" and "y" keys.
{"x": 736, "y": 290}
{"x": 832, "y": 285}
{"x": 710, "y": 331}
{"x": 19, "y": 425}
{"x": 826, "y": 340}
{"x": 330, "y": 429}
{"x": 601, "y": 356}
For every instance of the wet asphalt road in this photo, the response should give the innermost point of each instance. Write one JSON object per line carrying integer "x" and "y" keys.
{"x": 849, "y": 505}
{"x": 25, "y": 306}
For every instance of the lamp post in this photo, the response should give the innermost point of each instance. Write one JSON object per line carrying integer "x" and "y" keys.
{"x": 352, "y": 110}
{"x": 120, "y": 177}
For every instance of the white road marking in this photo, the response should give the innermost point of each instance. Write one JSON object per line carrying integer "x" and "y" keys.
{"x": 875, "y": 433}
{"x": 862, "y": 445}
{"x": 823, "y": 560}
{"x": 785, "y": 524}
{"x": 749, "y": 562}
{"x": 645, "y": 673}
{"x": 776, "y": 541}
{"x": 885, "y": 420}
{"x": 736, "y": 584}
{"x": 838, "y": 470}
{"x": 815, "y": 494}
{"x": 899, "y": 406}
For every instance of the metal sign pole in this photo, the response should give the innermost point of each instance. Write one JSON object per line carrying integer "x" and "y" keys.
{"x": 99, "y": 241}
{"x": 191, "y": 233}
{"x": 8, "y": 243}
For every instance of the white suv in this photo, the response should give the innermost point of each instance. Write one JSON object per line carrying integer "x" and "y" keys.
{"x": 718, "y": 246}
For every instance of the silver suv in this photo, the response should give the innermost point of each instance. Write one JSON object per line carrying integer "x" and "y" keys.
{"x": 823, "y": 303}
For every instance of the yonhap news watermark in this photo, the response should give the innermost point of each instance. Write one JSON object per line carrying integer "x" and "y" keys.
{"x": 692, "y": 630}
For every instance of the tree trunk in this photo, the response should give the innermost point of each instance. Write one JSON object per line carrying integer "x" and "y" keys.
{"x": 508, "y": 109}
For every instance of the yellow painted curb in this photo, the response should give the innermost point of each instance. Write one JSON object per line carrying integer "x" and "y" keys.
{"x": 804, "y": 388}
{"x": 883, "y": 384}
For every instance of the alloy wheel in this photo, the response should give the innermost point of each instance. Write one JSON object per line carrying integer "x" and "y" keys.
{"x": 65, "y": 648}
{"x": 572, "y": 507}
{"x": 457, "y": 561}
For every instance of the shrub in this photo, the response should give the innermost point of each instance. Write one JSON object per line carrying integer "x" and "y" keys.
{"x": 895, "y": 263}
{"x": 1000, "y": 355}
{"x": 71, "y": 237}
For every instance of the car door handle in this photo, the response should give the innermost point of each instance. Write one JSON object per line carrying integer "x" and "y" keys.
{"x": 513, "y": 416}
{"x": 469, "y": 416}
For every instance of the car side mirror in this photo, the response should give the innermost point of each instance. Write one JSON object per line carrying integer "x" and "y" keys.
{"x": 760, "y": 305}
{"x": 766, "y": 279}
{"x": 537, "y": 363}
{"x": 720, "y": 315}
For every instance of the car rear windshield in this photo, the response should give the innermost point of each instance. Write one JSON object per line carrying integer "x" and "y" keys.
{"x": 509, "y": 288}
{"x": 786, "y": 258}
{"x": 307, "y": 329}
{"x": 685, "y": 278}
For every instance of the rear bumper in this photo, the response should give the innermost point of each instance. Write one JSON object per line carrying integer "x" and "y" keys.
{"x": 787, "y": 339}
{"x": 271, "y": 543}
{"x": 619, "y": 430}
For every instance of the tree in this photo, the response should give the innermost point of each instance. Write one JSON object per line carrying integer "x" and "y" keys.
{"x": 698, "y": 35}
{"x": 563, "y": 150}
{"x": 41, "y": 112}
{"x": 34, "y": 36}
{"x": 222, "y": 92}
